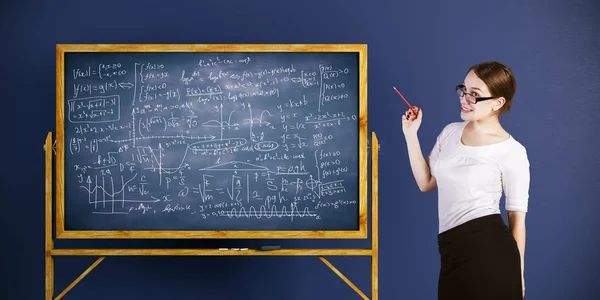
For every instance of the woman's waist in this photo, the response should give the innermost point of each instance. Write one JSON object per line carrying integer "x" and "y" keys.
{"x": 491, "y": 221}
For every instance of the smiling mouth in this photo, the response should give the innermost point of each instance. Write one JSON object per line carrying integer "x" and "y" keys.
{"x": 464, "y": 109}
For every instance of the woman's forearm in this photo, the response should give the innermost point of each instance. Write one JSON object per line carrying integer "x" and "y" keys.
{"x": 517, "y": 228}
{"x": 418, "y": 164}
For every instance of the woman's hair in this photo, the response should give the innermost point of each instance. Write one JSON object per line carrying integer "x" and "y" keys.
{"x": 499, "y": 80}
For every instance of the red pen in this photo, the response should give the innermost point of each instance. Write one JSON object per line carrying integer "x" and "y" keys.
{"x": 411, "y": 108}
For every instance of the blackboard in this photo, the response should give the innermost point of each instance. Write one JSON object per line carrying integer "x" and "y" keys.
{"x": 256, "y": 139}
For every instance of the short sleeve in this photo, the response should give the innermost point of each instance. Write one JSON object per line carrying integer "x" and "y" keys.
{"x": 515, "y": 180}
{"x": 439, "y": 144}
{"x": 435, "y": 153}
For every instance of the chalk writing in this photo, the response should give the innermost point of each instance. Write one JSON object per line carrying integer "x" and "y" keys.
{"x": 226, "y": 140}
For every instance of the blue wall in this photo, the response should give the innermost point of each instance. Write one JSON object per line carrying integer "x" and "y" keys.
{"x": 423, "y": 49}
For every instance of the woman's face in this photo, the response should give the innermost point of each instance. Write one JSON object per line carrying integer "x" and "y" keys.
{"x": 474, "y": 87}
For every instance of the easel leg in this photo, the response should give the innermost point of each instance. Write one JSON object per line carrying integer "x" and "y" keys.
{"x": 49, "y": 240}
{"x": 344, "y": 278}
{"x": 375, "y": 218}
{"x": 374, "y": 277}
{"x": 76, "y": 281}
{"x": 49, "y": 277}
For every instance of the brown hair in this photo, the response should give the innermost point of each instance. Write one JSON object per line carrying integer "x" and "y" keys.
{"x": 499, "y": 80}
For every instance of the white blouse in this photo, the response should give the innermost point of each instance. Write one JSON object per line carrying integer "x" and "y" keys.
{"x": 470, "y": 179}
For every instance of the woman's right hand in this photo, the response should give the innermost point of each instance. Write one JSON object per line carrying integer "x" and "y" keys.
{"x": 410, "y": 122}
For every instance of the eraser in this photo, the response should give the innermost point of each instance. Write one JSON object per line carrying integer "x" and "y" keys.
{"x": 270, "y": 247}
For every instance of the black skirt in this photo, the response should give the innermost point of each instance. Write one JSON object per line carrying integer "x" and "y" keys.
{"x": 479, "y": 260}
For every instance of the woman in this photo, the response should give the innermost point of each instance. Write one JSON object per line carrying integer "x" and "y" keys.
{"x": 471, "y": 164}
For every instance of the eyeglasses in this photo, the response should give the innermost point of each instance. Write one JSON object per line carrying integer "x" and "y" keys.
{"x": 461, "y": 90}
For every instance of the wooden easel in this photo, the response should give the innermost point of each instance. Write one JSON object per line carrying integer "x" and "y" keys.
{"x": 373, "y": 252}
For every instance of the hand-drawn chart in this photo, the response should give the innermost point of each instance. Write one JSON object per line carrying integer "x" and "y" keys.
{"x": 211, "y": 141}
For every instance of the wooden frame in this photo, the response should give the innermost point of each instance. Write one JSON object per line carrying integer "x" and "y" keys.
{"x": 373, "y": 252}
{"x": 61, "y": 232}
